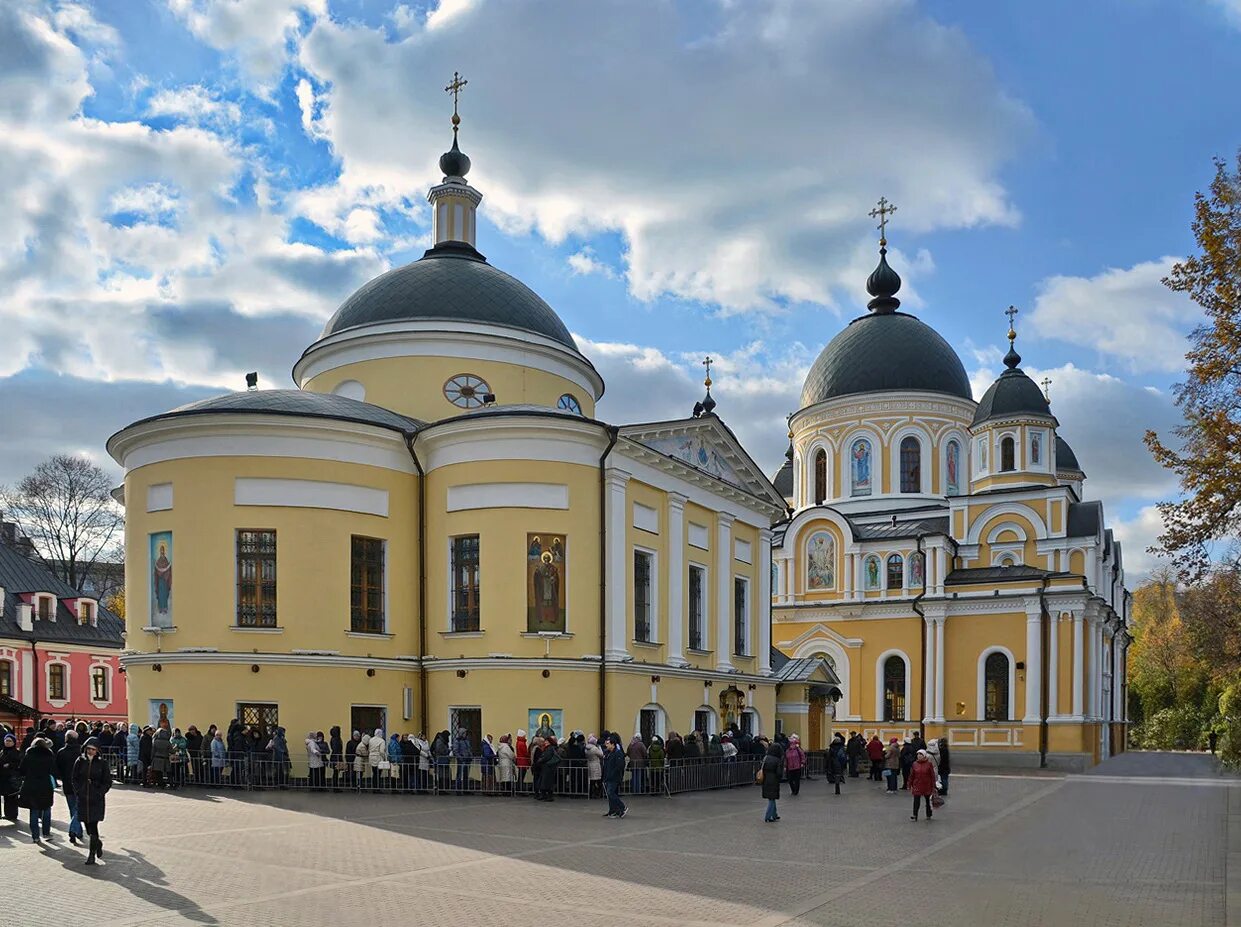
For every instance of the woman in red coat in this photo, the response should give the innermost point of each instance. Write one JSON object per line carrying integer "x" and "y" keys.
{"x": 874, "y": 752}
{"x": 522, "y": 751}
{"x": 922, "y": 783}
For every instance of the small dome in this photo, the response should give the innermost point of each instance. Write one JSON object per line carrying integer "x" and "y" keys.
{"x": 455, "y": 162}
{"x": 1013, "y": 394}
{"x": 1066, "y": 460}
{"x": 783, "y": 480}
{"x": 885, "y": 351}
{"x": 452, "y": 282}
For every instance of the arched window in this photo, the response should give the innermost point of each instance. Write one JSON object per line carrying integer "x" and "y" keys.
{"x": 896, "y": 571}
{"x": 820, "y": 476}
{"x": 995, "y": 687}
{"x": 911, "y": 465}
{"x": 893, "y": 689}
{"x": 1008, "y": 454}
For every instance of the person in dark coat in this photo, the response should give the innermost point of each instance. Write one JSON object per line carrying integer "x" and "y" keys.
{"x": 194, "y": 751}
{"x": 945, "y": 765}
{"x": 854, "y": 750}
{"x": 91, "y": 779}
{"x": 161, "y": 755}
{"x": 38, "y": 769}
{"x": 613, "y": 776}
{"x": 145, "y": 744}
{"x": 874, "y": 752}
{"x": 771, "y": 780}
{"x": 10, "y": 778}
{"x": 336, "y": 755}
{"x": 120, "y": 747}
{"x": 908, "y": 754}
{"x": 66, "y": 756}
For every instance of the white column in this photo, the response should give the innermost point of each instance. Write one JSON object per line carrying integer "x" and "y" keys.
{"x": 1092, "y": 668}
{"x": 1097, "y": 674}
{"x": 676, "y": 580}
{"x": 1053, "y": 668}
{"x": 848, "y": 577}
{"x": 939, "y": 667}
{"x": 723, "y": 592}
{"x": 858, "y": 586}
{"x": 762, "y": 607}
{"x": 928, "y": 673}
{"x": 940, "y": 570}
{"x": 1078, "y": 665}
{"x": 1034, "y": 664}
{"x": 617, "y": 617}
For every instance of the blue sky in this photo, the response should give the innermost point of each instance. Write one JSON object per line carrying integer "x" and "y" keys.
{"x": 193, "y": 185}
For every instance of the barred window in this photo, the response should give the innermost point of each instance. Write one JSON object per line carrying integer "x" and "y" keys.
{"x": 641, "y": 596}
{"x": 256, "y": 578}
{"x": 99, "y": 683}
{"x": 697, "y": 607}
{"x": 465, "y": 575}
{"x": 56, "y": 680}
{"x": 366, "y": 575}
{"x": 741, "y": 624}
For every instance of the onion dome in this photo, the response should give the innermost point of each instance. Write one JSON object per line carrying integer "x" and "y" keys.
{"x": 1066, "y": 460}
{"x": 885, "y": 350}
{"x": 454, "y": 162}
{"x": 1014, "y": 394}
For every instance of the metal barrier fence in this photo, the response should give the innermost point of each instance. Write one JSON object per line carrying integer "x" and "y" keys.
{"x": 570, "y": 778}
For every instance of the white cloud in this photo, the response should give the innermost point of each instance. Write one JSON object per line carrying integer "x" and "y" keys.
{"x": 194, "y": 103}
{"x": 585, "y": 263}
{"x": 736, "y": 165}
{"x": 1136, "y": 536}
{"x": 1231, "y": 10}
{"x": 1127, "y": 313}
{"x": 256, "y": 31}
{"x": 443, "y": 13}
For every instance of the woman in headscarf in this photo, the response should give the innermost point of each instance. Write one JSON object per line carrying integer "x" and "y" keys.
{"x": 161, "y": 756}
{"x": 506, "y": 763}
{"x": 394, "y": 761}
{"x": 487, "y": 765}
{"x": 178, "y": 757}
{"x": 10, "y": 778}
{"x": 549, "y": 768}
{"x": 376, "y": 757}
{"x": 314, "y": 761}
{"x": 193, "y": 754}
{"x": 38, "y": 769}
{"x": 464, "y": 754}
{"x": 655, "y": 758}
{"x": 522, "y": 750}
{"x": 219, "y": 756}
{"x": 133, "y": 754}
{"x": 922, "y": 783}
{"x": 360, "y": 758}
{"x": 336, "y": 755}
{"x": 594, "y": 766}
{"x": 91, "y": 780}
{"x": 351, "y": 760}
{"x": 441, "y": 752}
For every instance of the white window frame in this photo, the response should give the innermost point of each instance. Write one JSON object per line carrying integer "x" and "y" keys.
{"x": 1018, "y": 449}
{"x": 712, "y": 718}
{"x": 661, "y": 719}
{"x": 108, "y": 683}
{"x": 704, "y": 601}
{"x": 879, "y": 691}
{"x": 37, "y": 599}
{"x": 653, "y": 619}
{"x": 47, "y": 681}
{"x": 981, "y": 703}
{"x": 883, "y": 571}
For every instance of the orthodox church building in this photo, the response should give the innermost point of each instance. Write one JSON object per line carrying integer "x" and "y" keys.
{"x": 939, "y": 554}
{"x": 435, "y": 531}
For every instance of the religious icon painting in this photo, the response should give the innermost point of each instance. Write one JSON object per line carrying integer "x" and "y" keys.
{"x": 1036, "y": 447}
{"x": 859, "y": 465}
{"x": 953, "y": 465}
{"x": 820, "y": 562}
{"x": 545, "y": 582}
{"x": 161, "y": 579}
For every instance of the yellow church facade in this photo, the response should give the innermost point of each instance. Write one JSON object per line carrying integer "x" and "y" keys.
{"x": 940, "y": 556}
{"x": 433, "y": 531}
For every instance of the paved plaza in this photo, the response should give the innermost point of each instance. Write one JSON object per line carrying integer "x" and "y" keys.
{"x": 1143, "y": 840}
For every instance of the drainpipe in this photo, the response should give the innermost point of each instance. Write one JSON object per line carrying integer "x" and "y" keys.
{"x": 34, "y": 652}
{"x": 917, "y": 607}
{"x": 410, "y": 438}
{"x": 1045, "y": 628}
{"x": 613, "y": 431}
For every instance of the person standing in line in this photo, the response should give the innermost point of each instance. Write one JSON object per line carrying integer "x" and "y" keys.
{"x": 38, "y": 769}
{"x": 336, "y": 755}
{"x": 922, "y": 784}
{"x": 874, "y": 753}
{"x": 794, "y": 760}
{"x": 91, "y": 781}
{"x": 655, "y": 764}
{"x": 10, "y": 778}
{"x": 637, "y": 764}
{"x": 522, "y": 751}
{"x": 135, "y": 771}
{"x": 464, "y": 754}
{"x": 892, "y": 764}
{"x": 66, "y": 756}
{"x": 771, "y": 781}
{"x": 377, "y": 757}
{"x": 219, "y": 757}
{"x": 854, "y": 751}
{"x": 945, "y": 765}
{"x": 506, "y": 764}
{"x": 613, "y": 776}
{"x": 909, "y": 753}
{"x": 837, "y": 762}
{"x": 314, "y": 762}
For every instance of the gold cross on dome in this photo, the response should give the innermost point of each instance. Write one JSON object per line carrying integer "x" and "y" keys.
{"x": 455, "y": 88}
{"x": 707, "y": 363}
{"x": 1011, "y": 312}
{"x": 881, "y": 212}
{"x": 1047, "y": 388}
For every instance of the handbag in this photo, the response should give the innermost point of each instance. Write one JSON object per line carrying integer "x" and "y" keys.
{"x": 937, "y": 801}
{"x": 384, "y": 764}
{"x": 758, "y": 777}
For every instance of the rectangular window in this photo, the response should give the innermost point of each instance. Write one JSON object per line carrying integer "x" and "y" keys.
{"x": 56, "y": 681}
{"x": 259, "y": 716}
{"x": 46, "y": 604}
{"x": 648, "y": 724}
{"x": 642, "y": 596}
{"x": 368, "y": 718}
{"x": 697, "y": 606}
{"x": 366, "y": 576}
{"x": 702, "y": 721}
{"x": 6, "y": 678}
{"x": 741, "y": 630}
{"x": 99, "y": 683}
{"x": 83, "y": 612}
{"x": 256, "y": 579}
{"x": 465, "y": 569}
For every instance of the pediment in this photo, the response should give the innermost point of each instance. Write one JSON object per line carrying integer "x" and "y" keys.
{"x": 707, "y": 445}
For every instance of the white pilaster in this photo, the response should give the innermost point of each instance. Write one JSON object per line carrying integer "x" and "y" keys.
{"x": 616, "y": 574}
{"x": 762, "y": 607}
{"x": 1078, "y": 665}
{"x": 848, "y": 577}
{"x": 940, "y": 570}
{"x": 676, "y": 580}
{"x": 1092, "y": 667}
{"x": 858, "y": 585}
{"x": 939, "y": 668}
{"x": 723, "y": 592}
{"x": 1034, "y": 664}
{"x": 1053, "y": 668}
{"x": 928, "y": 673}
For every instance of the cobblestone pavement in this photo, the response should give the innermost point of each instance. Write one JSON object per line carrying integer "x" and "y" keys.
{"x": 1140, "y": 844}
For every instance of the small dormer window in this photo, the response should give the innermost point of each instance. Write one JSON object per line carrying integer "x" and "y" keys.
{"x": 45, "y": 607}
{"x": 86, "y": 612}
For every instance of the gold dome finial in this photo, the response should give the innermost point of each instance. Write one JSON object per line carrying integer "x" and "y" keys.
{"x": 707, "y": 363}
{"x": 455, "y": 87}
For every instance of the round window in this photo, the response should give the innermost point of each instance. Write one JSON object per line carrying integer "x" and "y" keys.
{"x": 569, "y": 403}
{"x": 466, "y": 391}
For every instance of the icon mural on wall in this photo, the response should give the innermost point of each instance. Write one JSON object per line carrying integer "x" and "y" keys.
{"x": 982, "y": 454}
{"x": 917, "y": 570}
{"x": 546, "y": 721}
{"x": 954, "y": 468}
{"x": 160, "y": 714}
{"x": 859, "y": 463}
{"x": 161, "y": 579}
{"x": 821, "y": 561}
{"x": 1036, "y": 448}
{"x": 696, "y": 452}
{"x": 545, "y": 582}
{"x": 872, "y": 572}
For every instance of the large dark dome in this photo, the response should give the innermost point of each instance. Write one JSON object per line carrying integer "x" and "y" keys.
{"x": 452, "y": 282}
{"x": 885, "y": 351}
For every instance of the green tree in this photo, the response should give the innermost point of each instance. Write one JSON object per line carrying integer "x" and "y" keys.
{"x": 1208, "y": 462}
{"x": 1164, "y": 671}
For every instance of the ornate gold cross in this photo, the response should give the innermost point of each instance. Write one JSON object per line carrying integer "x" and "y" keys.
{"x": 1047, "y": 388}
{"x": 707, "y": 363}
{"x": 1011, "y": 312}
{"x": 455, "y": 88}
{"x": 881, "y": 212}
